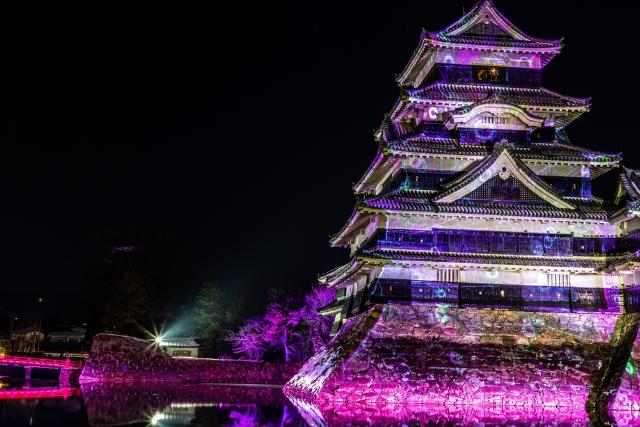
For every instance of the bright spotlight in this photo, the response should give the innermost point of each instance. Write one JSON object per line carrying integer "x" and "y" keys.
{"x": 157, "y": 417}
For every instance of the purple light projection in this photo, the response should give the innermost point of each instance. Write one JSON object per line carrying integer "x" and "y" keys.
{"x": 480, "y": 318}
{"x": 365, "y": 413}
{"x": 438, "y": 355}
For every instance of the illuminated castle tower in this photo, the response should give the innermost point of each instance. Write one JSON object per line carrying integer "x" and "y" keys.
{"x": 478, "y": 226}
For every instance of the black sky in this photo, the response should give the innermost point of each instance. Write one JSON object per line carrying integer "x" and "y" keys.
{"x": 235, "y": 134}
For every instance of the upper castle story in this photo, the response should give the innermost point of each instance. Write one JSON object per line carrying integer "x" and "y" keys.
{"x": 479, "y": 80}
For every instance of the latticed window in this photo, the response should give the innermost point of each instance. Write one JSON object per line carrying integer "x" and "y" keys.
{"x": 509, "y": 189}
{"x": 450, "y": 275}
{"x": 558, "y": 279}
{"x": 477, "y": 241}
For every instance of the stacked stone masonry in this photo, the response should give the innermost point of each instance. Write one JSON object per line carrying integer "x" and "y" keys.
{"x": 115, "y": 358}
{"x": 425, "y": 354}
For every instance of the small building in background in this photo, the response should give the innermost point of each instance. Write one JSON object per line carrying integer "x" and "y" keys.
{"x": 66, "y": 342}
{"x": 5, "y": 343}
{"x": 26, "y": 340}
{"x": 180, "y": 347}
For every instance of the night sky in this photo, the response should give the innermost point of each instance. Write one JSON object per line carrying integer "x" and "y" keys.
{"x": 232, "y": 136}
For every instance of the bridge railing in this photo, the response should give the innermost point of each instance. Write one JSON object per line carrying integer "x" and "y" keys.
{"x": 39, "y": 362}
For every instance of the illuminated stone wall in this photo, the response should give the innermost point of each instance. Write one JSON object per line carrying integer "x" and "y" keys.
{"x": 116, "y": 358}
{"x": 425, "y": 354}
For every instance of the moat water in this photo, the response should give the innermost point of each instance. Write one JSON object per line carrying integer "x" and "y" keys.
{"x": 44, "y": 404}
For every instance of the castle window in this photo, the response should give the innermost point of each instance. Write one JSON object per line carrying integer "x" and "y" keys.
{"x": 483, "y": 74}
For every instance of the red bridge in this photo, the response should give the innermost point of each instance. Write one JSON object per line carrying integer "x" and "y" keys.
{"x": 68, "y": 369}
{"x": 39, "y": 393}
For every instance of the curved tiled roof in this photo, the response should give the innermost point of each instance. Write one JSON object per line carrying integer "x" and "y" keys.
{"x": 419, "y": 201}
{"x": 562, "y": 152}
{"x": 462, "y": 34}
{"x": 472, "y": 93}
{"x": 482, "y": 166}
{"x": 401, "y": 199}
{"x": 512, "y": 35}
{"x": 426, "y": 256}
{"x": 482, "y": 40}
{"x": 428, "y": 145}
{"x": 532, "y": 151}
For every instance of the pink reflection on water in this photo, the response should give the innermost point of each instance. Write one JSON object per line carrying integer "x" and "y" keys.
{"x": 356, "y": 414}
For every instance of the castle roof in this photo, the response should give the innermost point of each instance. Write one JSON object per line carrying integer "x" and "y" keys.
{"x": 500, "y": 158}
{"x": 399, "y": 255}
{"x": 459, "y": 94}
{"x": 553, "y": 151}
{"x": 438, "y": 158}
{"x": 484, "y": 13}
{"x": 415, "y": 201}
{"x": 482, "y": 28}
{"x": 565, "y": 109}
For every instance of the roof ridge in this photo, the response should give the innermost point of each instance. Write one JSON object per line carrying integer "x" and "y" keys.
{"x": 567, "y": 97}
{"x": 497, "y": 17}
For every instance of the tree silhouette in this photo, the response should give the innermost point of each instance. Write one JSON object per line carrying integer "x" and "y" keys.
{"x": 126, "y": 307}
{"x": 288, "y": 331}
{"x": 215, "y": 313}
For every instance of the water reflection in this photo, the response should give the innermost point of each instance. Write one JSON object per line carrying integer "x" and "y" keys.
{"x": 209, "y": 405}
{"x": 170, "y": 404}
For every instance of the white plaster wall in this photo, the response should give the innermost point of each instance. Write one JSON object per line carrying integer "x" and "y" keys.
{"x": 575, "y": 171}
{"x": 435, "y": 164}
{"x": 412, "y": 273}
{"x": 586, "y": 280}
{"x": 533, "y": 278}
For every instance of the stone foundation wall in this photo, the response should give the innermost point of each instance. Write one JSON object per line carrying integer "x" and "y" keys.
{"x": 116, "y": 358}
{"x": 425, "y": 354}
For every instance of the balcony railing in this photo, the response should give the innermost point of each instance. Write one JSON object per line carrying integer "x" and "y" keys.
{"x": 515, "y": 297}
{"x": 511, "y": 243}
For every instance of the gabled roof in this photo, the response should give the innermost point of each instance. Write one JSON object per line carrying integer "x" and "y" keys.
{"x": 485, "y": 18}
{"x": 482, "y": 28}
{"x": 466, "y": 116}
{"x": 498, "y": 163}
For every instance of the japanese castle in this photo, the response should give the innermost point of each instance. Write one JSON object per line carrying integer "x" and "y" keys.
{"x": 493, "y": 262}
{"x": 477, "y": 197}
